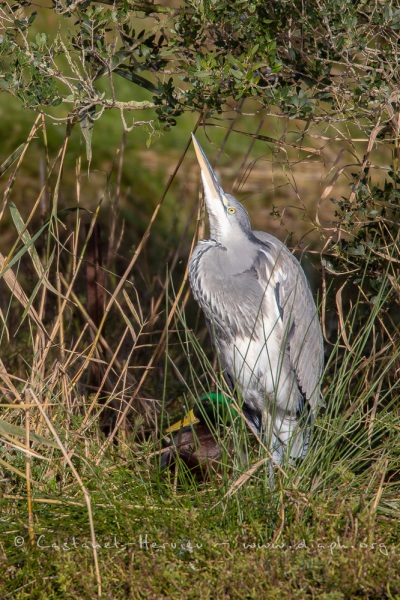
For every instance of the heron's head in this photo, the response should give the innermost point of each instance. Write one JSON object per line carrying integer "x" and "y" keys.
{"x": 227, "y": 216}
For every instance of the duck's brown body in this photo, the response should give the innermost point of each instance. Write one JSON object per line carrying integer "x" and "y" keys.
{"x": 197, "y": 447}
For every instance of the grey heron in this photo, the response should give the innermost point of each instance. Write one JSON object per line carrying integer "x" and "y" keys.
{"x": 262, "y": 319}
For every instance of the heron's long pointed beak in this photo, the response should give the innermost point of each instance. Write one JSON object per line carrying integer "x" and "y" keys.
{"x": 212, "y": 186}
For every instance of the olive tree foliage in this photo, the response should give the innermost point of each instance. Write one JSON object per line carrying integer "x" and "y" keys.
{"x": 325, "y": 61}
{"x": 321, "y": 60}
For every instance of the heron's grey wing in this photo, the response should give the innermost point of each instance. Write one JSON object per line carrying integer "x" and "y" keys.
{"x": 298, "y": 314}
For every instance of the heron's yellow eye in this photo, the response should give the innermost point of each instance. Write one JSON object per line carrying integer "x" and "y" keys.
{"x": 231, "y": 210}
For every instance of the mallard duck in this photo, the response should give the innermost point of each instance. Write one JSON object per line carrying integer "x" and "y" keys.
{"x": 198, "y": 438}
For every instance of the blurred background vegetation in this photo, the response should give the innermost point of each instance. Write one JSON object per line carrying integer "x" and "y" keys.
{"x": 297, "y": 106}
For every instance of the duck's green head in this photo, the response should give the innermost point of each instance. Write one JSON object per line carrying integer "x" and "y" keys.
{"x": 214, "y": 408}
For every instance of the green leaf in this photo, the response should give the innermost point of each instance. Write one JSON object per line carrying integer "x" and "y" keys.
{"x": 22, "y": 251}
{"x": 130, "y": 75}
{"x": 27, "y": 240}
{"x": 9, "y": 467}
{"x": 16, "y": 430}
{"x": 13, "y": 157}
{"x": 43, "y": 279}
{"x": 86, "y": 122}
{"x": 116, "y": 60}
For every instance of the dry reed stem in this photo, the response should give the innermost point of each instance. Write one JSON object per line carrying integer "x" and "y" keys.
{"x": 122, "y": 370}
{"x": 74, "y": 503}
{"x": 28, "y": 481}
{"x": 12, "y": 178}
{"x": 66, "y": 299}
{"x": 10, "y": 386}
{"x": 11, "y": 280}
{"x": 100, "y": 338}
{"x": 373, "y": 411}
{"x": 240, "y": 481}
{"x": 365, "y": 163}
{"x": 80, "y": 483}
{"x": 380, "y": 488}
{"x": 341, "y": 318}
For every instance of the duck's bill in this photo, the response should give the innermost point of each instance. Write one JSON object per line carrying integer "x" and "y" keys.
{"x": 187, "y": 421}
